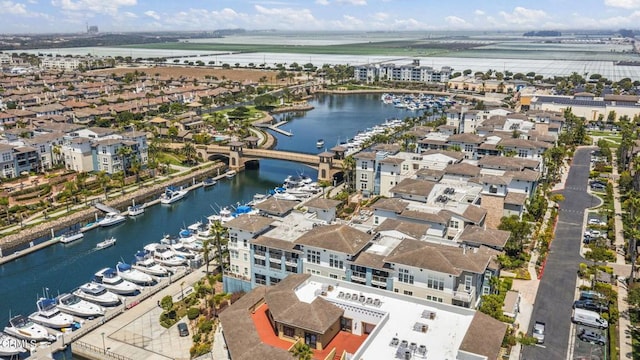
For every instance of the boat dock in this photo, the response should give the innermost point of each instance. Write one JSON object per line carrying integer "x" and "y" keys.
{"x": 105, "y": 208}
{"x": 32, "y": 248}
{"x": 276, "y": 128}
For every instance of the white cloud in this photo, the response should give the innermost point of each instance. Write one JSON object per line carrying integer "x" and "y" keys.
{"x": 129, "y": 15}
{"x": 290, "y": 18}
{"x": 380, "y": 16}
{"x": 12, "y": 8}
{"x": 626, "y": 4}
{"x": 523, "y": 16}
{"x": 95, "y": 6}
{"x": 352, "y": 2}
{"x": 479, "y": 12}
{"x": 322, "y": 2}
{"x": 152, "y": 14}
{"x": 456, "y": 21}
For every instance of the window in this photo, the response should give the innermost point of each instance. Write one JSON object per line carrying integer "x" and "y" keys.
{"x": 405, "y": 167}
{"x": 313, "y": 256}
{"x": 434, "y": 298}
{"x": 273, "y": 280}
{"x": 334, "y": 261}
{"x": 435, "y": 282}
{"x": 105, "y": 160}
{"x": 493, "y": 189}
{"x": 104, "y": 149}
{"x": 468, "y": 148}
{"x": 245, "y": 256}
{"x": 363, "y": 186}
{"x": 43, "y": 149}
{"x": 288, "y": 331}
{"x": 454, "y": 224}
{"x": 259, "y": 262}
{"x": 364, "y": 165}
{"x": 376, "y": 220}
{"x": 523, "y": 153}
{"x": 407, "y": 292}
{"x": 234, "y": 254}
{"x": 363, "y": 176}
{"x": 333, "y": 276}
{"x": 468, "y": 280}
{"x": 404, "y": 276}
{"x": 260, "y": 279}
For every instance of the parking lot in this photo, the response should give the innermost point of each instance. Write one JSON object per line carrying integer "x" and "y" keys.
{"x": 583, "y": 350}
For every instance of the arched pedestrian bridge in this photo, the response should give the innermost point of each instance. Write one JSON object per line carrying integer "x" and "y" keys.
{"x": 239, "y": 153}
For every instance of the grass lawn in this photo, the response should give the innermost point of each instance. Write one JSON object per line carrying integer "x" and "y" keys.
{"x": 171, "y": 158}
{"x": 600, "y": 133}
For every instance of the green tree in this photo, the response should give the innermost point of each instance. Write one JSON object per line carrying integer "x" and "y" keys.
{"x": 219, "y": 233}
{"x": 190, "y": 153}
{"x": 348, "y": 169}
{"x": 302, "y": 351}
{"x": 519, "y": 229}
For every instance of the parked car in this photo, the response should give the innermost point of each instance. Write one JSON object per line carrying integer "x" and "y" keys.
{"x": 598, "y": 186}
{"x": 538, "y": 331}
{"x": 590, "y": 305}
{"x": 589, "y": 318}
{"x": 592, "y": 337}
{"x": 595, "y": 221}
{"x": 183, "y": 330}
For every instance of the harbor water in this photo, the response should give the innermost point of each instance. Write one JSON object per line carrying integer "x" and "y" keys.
{"x": 63, "y": 267}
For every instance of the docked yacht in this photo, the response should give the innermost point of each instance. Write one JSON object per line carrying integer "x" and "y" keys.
{"x": 69, "y": 237}
{"x": 135, "y": 210}
{"x": 176, "y": 245}
{"x": 147, "y": 265}
{"x": 23, "y": 328}
{"x": 172, "y": 194}
{"x": 127, "y": 272}
{"x": 320, "y": 143}
{"x": 231, "y": 174}
{"x": 106, "y": 243}
{"x": 111, "y": 218}
{"x": 164, "y": 256}
{"x": 209, "y": 182}
{"x": 223, "y": 216}
{"x": 108, "y": 278}
{"x": 97, "y": 294}
{"x": 76, "y": 306}
{"x": 11, "y": 347}
{"x": 49, "y": 315}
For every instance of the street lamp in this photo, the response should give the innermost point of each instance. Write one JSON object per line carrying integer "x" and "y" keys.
{"x": 104, "y": 348}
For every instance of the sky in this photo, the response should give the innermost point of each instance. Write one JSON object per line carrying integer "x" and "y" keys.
{"x": 42, "y": 16}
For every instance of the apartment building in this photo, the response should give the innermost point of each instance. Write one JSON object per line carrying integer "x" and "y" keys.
{"x": 412, "y": 72}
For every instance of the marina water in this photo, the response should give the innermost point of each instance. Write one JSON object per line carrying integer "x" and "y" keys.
{"x": 61, "y": 268}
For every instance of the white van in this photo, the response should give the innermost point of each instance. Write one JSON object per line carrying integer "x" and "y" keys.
{"x": 589, "y": 318}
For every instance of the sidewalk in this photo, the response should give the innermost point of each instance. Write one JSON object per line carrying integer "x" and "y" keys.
{"x": 624, "y": 324}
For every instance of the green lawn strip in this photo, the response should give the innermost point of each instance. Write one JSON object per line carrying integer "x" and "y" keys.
{"x": 173, "y": 159}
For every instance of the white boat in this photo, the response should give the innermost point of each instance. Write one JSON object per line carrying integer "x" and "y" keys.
{"x": 230, "y": 174}
{"x": 108, "y": 278}
{"x": 97, "y": 294}
{"x": 135, "y": 210}
{"x": 208, "y": 182}
{"x": 147, "y": 265}
{"x": 172, "y": 194}
{"x": 106, "y": 243}
{"x": 49, "y": 315}
{"x": 11, "y": 347}
{"x": 135, "y": 276}
{"x": 70, "y": 237}
{"x": 111, "y": 218}
{"x": 76, "y": 306}
{"x": 320, "y": 143}
{"x": 164, "y": 256}
{"x": 23, "y": 328}
{"x": 224, "y": 216}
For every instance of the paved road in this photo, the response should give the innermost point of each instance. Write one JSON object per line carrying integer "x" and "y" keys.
{"x": 558, "y": 285}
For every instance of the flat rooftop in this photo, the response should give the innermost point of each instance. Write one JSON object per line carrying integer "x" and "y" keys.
{"x": 441, "y": 328}
{"x": 292, "y": 226}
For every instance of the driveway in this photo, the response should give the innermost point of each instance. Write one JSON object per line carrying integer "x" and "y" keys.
{"x": 558, "y": 286}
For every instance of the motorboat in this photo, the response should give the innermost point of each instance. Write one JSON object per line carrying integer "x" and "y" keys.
{"x": 135, "y": 210}
{"x": 49, "y": 315}
{"x": 76, "y": 306}
{"x": 164, "y": 256}
{"x": 258, "y": 198}
{"x": 230, "y": 174}
{"x": 111, "y": 218}
{"x": 97, "y": 294}
{"x": 23, "y": 328}
{"x": 172, "y": 194}
{"x": 70, "y": 237}
{"x": 320, "y": 143}
{"x": 110, "y": 279}
{"x": 147, "y": 265}
{"x": 11, "y": 347}
{"x": 282, "y": 194}
{"x": 127, "y": 272}
{"x": 177, "y": 246}
{"x": 223, "y": 216}
{"x": 106, "y": 243}
{"x": 209, "y": 182}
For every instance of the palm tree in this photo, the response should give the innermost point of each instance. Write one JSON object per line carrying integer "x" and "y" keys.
{"x": 220, "y": 234}
{"x": 57, "y": 154}
{"x": 348, "y": 168}
{"x": 190, "y": 153}
{"x": 633, "y": 206}
{"x": 302, "y": 351}
{"x": 124, "y": 152}
{"x": 206, "y": 244}
{"x": 135, "y": 169}
{"x": 120, "y": 177}
{"x": 103, "y": 180}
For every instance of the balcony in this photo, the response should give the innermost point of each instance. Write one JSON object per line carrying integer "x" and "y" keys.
{"x": 291, "y": 262}
{"x": 379, "y": 281}
{"x": 259, "y": 255}
{"x": 461, "y": 294}
{"x": 358, "y": 277}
